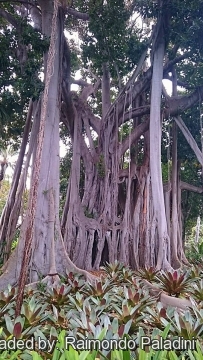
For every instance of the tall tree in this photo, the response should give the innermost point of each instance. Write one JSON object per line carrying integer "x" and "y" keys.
{"x": 114, "y": 206}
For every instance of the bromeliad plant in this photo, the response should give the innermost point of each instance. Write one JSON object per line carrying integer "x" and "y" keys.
{"x": 34, "y": 312}
{"x": 197, "y": 290}
{"x": 99, "y": 289}
{"x": 185, "y": 325}
{"x": 113, "y": 271}
{"x": 7, "y": 296}
{"x": 175, "y": 284}
{"x": 58, "y": 296}
{"x": 147, "y": 273}
{"x": 132, "y": 308}
{"x": 119, "y": 303}
{"x": 156, "y": 314}
{"x": 138, "y": 297}
{"x": 75, "y": 281}
{"x": 17, "y": 329}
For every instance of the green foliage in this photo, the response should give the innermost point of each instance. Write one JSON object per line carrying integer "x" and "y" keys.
{"x": 65, "y": 168}
{"x": 59, "y": 296}
{"x": 22, "y": 75}
{"x": 116, "y": 307}
{"x": 148, "y": 273}
{"x": 14, "y": 243}
{"x": 100, "y": 289}
{"x": 166, "y": 171}
{"x": 109, "y": 38}
{"x": 197, "y": 291}
{"x": 108, "y": 27}
{"x": 185, "y": 15}
{"x": 175, "y": 283}
{"x": 125, "y": 130}
{"x": 114, "y": 270}
{"x": 4, "y": 191}
{"x": 188, "y": 167}
{"x": 187, "y": 326}
{"x": 21, "y": 54}
{"x": 7, "y": 297}
{"x": 194, "y": 252}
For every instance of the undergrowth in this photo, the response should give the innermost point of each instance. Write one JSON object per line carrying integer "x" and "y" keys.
{"x": 118, "y": 306}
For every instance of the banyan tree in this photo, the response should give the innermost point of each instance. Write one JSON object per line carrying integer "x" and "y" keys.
{"x": 116, "y": 205}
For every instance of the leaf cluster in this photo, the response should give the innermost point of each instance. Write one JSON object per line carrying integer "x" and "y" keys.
{"x": 109, "y": 39}
{"x": 21, "y": 51}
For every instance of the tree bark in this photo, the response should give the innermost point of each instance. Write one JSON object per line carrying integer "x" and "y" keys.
{"x": 155, "y": 153}
{"x": 46, "y": 187}
{"x": 174, "y": 181}
{"x": 8, "y": 213}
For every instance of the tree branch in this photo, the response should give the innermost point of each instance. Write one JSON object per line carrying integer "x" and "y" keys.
{"x": 179, "y": 82}
{"x": 95, "y": 122}
{"x": 10, "y": 18}
{"x": 191, "y": 141}
{"x": 173, "y": 106}
{"x": 122, "y": 95}
{"x": 89, "y": 90}
{"x": 168, "y": 66}
{"x": 79, "y": 82}
{"x": 176, "y": 105}
{"x": 78, "y": 14}
{"x": 135, "y": 135}
{"x": 123, "y": 100}
{"x": 189, "y": 187}
{"x": 137, "y": 112}
{"x": 124, "y": 173}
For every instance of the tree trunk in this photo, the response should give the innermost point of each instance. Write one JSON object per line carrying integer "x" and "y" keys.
{"x": 155, "y": 153}
{"x": 177, "y": 252}
{"x": 174, "y": 182}
{"x": 12, "y": 207}
{"x": 46, "y": 219}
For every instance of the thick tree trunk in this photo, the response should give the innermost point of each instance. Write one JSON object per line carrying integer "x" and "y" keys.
{"x": 177, "y": 252}
{"x": 174, "y": 217}
{"x": 47, "y": 239}
{"x": 155, "y": 153}
{"x": 174, "y": 182}
{"x": 121, "y": 214}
